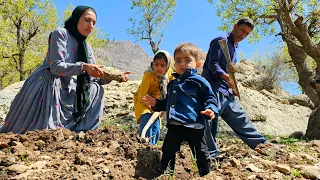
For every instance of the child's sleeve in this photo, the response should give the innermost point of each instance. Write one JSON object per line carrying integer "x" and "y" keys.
{"x": 209, "y": 98}
{"x": 57, "y": 55}
{"x": 144, "y": 87}
{"x": 169, "y": 74}
{"x": 160, "y": 105}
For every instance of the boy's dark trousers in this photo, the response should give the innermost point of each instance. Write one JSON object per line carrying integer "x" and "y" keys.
{"x": 197, "y": 142}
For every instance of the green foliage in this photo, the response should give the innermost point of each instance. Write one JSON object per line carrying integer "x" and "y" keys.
{"x": 23, "y": 24}
{"x": 275, "y": 67}
{"x": 264, "y": 13}
{"x": 153, "y": 17}
{"x": 194, "y": 162}
{"x": 296, "y": 173}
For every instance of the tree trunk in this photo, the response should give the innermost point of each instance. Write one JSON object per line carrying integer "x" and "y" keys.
{"x": 306, "y": 81}
{"x": 313, "y": 130}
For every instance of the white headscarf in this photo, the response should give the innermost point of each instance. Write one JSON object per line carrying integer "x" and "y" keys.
{"x": 163, "y": 80}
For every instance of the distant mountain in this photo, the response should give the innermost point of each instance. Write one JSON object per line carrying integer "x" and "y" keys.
{"x": 125, "y": 56}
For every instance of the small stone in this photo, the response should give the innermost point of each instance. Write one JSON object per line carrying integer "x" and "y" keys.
{"x": 260, "y": 151}
{"x": 100, "y": 161}
{"x": 17, "y": 168}
{"x": 292, "y": 156}
{"x": 22, "y": 153}
{"x": 252, "y": 176}
{"x": 7, "y": 161}
{"x": 276, "y": 140}
{"x": 315, "y": 143}
{"x": 4, "y": 145}
{"x": 235, "y": 162}
{"x": 38, "y": 165}
{"x": 81, "y": 135}
{"x": 253, "y": 168}
{"x": 284, "y": 168}
{"x": 118, "y": 163}
{"x": 311, "y": 172}
{"x": 15, "y": 143}
{"x": 105, "y": 169}
{"x": 109, "y": 157}
{"x": 267, "y": 163}
{"x": 308, "y": 158}
{"x": 99, "y": 143}
{"x": 45, "y": 157}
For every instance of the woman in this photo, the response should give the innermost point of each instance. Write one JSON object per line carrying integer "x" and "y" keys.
{"x": 52, "y": 97}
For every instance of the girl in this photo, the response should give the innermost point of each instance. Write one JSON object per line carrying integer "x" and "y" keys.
{"x": 154, "y": 83}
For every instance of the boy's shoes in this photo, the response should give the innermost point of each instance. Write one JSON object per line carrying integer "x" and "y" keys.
{"x": 217, "y": 155}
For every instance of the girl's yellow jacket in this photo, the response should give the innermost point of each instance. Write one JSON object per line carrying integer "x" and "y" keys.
{"x": 149, "y": 85}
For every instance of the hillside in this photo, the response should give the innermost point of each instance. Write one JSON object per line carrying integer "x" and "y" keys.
{"x": 125, "y": 56}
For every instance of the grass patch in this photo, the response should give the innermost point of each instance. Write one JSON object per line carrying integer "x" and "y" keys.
{"x": 296, "y": 173}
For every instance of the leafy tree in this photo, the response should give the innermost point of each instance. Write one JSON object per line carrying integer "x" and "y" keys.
{"x": 154, "y": 15}
{"x": 22, "y": 41}
{"x": 274, "y": 68}
{"x": 297, "y": 22}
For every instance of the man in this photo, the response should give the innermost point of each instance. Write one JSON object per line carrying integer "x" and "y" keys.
{"x": 215, "y": 71}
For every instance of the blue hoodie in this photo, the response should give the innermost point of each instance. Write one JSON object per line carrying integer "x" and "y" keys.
{"x": 187, "y": 95}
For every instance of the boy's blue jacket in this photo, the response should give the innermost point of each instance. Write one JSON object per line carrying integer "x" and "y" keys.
{"x": 187, "y": 95}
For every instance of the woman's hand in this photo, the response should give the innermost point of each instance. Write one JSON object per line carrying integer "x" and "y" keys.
{"x": 93, "y": 70}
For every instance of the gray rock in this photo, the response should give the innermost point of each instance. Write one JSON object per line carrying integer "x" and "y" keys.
{"x": 17, "y": 168}
{"x": 253, "y": 168}
{"x": 284, "y": 168}
{"x": 7, "y": 160}
{"x": 302, "y": 100}
{"x": 311, "y": 172}
{"x": 296, "y": 135}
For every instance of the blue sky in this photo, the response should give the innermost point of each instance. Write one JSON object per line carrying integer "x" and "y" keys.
{"x": 194, "y": 21}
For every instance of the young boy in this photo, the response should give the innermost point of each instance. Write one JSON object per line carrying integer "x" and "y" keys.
{"x": 189, "y": 103}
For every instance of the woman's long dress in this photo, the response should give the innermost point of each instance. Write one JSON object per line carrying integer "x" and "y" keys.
{"x": 48, "y": 97}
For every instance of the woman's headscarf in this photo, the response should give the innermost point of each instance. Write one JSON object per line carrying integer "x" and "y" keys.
{"x": 83, "y": 80}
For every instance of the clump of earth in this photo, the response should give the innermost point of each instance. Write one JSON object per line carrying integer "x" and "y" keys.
{"x": 111, "y": 153}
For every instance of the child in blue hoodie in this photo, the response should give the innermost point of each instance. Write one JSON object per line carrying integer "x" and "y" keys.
{"x": 189, "y": 103}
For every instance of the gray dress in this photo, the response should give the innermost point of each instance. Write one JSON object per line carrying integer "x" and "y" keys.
{"x": 48, "y": 97}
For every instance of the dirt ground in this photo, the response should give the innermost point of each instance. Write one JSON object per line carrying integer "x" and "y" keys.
{"x": 114, "y": 154}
